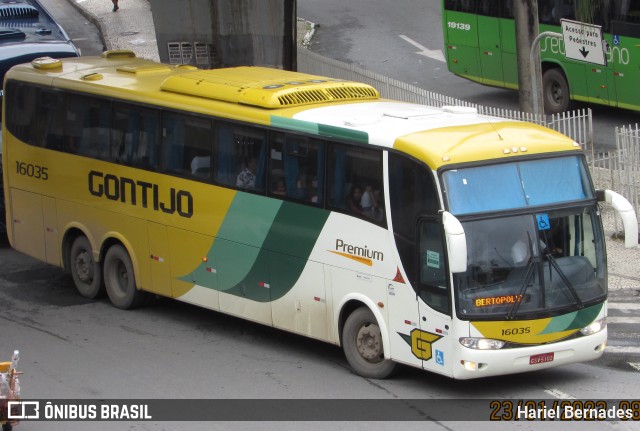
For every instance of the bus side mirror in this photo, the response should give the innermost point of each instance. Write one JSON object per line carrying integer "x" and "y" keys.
{"x": 626, "y": 212}
{"x": 456, "y": 243}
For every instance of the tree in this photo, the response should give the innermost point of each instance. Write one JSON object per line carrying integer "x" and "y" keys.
{"x": 526, "y": 21}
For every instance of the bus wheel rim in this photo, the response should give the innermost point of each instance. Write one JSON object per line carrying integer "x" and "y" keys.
{"x": 84, "y": 266}
{"x": 122, "y": 277}
{"x": 369, "y": 343}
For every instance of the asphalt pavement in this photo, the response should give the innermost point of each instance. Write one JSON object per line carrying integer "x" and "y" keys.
{"x": 131, "y": 27}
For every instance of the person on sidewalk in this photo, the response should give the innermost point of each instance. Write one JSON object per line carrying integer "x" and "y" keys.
{"x": 115, "y": 5}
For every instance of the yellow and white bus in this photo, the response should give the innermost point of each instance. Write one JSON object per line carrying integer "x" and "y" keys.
{"x": 466, "y": 245}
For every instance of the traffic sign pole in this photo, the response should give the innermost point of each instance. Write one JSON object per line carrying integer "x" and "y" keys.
{"x": 532, "y": 65}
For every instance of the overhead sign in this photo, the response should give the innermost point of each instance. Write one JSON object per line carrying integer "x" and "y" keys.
{"x": 583, "y": 42}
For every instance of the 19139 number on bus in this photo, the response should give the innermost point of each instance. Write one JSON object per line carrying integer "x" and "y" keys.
{"x": 459, "y": 25}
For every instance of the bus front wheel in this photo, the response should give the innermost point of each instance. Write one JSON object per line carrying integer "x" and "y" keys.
{"x": 362, "y": 345}
{"x": 119, "y": 279}
{"x": 555, "y": 91}
{"x": 86, "y": 273}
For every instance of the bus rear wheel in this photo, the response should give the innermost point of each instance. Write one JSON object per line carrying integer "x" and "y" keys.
{"x": 555, "y": 91}
{"x": 119, "y": 279}
{"x": 362, "y": 345}
{"x": 86, "y": 273}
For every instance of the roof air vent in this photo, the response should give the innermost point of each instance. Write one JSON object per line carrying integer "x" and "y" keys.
{"x": 11, "y": 11}
{"x": 12, "y": 33}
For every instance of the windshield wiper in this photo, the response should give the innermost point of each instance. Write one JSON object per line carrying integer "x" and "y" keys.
{"x": 527, "y": 279}
{"x": 525, "y": 285}
{"x": 565, "y": 280}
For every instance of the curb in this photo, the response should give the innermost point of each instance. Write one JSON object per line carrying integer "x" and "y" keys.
{"x": 94, "y": 20}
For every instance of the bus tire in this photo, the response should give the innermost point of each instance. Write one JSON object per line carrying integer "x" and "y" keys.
{"x": 362, "y": 345}
{"x": 86, "y": 272}
{"x": 120, "y": 280}
{"x": 555, "y": 91}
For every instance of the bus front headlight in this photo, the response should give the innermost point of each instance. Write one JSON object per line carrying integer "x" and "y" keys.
{"x": 594, "y": 327}
{"x": 481, "y": 343}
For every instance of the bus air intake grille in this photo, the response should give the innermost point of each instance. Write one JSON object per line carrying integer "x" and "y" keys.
{"x": 349, "y": 92}
{"x": 303, "y": 97}
{"x": 11, "y": 11}
{"x": 345, "y": 92}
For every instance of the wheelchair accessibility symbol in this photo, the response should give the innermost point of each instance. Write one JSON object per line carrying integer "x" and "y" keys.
{"x": 543, "y": 221}
{"x": 439, "y": 357}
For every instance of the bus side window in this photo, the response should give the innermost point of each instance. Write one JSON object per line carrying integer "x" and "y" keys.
{"x": 135, "y": 136}
{"x": 89, "y": 126}
{"x": 52, "y": 118}
{"x": 240, "y": 157}
{"x": 355, "y": 183}
{"x": 563, "y": 9}
{"x": 626, "y": 19}
{"x": 470, "y": 6}
{"x": 490, "y": 8}
{"x": 433, "y": 281}
{"x": 413, "y": 195}
{"x": 337, "y": 177}
{"x": 22, "y": 119}
{"x": 186, "y": 145}
{"x": 545, "y": 12}
{"x": 295, "y": 165}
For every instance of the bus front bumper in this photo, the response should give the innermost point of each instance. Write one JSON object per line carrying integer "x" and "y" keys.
{"x": 471, "y": 364}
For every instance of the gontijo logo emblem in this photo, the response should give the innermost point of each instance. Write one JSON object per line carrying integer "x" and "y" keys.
{"x": 363, "y": 255}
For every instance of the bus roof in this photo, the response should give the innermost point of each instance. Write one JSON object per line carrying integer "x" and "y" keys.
{"x": 292, "y": 100}
{"x": 441, "y": 136}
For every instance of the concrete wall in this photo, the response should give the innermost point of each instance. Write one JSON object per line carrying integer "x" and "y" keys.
{"x": 222, "y": 33}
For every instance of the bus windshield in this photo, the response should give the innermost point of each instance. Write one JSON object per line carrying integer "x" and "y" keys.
{"x": 532, "y": 265}
{"x": 516, "y": 185}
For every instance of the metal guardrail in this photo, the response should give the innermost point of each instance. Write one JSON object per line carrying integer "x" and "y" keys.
{"x": 627, "y": 174}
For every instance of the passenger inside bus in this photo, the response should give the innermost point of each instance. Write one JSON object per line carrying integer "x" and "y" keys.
{"x": 280, "y": 189}
{"x": 353, "y": 202}
{"x": 201, "y": 166}
{"x": 369, "y": 202}
{"x": 247, "y": 178}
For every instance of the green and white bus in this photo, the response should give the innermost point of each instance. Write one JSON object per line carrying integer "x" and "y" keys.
{"x": 463, "y": 244}
{"x": 480, "y": 45}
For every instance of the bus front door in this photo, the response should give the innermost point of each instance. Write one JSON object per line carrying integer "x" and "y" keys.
{"x": 433, "y": 343}
{"x": 599, "y": 83}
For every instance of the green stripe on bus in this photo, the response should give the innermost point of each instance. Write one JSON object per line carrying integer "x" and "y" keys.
{"x": 576, "y": 320}
{"x": 248, "y": 221}
{"x": 320, "y": 129}
{"x": 290, "y": 243}
{"x": 267, "y": 264}
{"x": 296, "y": 125}
{"x": 342, "y": 133}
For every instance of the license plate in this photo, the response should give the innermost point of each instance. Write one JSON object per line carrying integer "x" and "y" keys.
{"x": 541, "y": 358}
